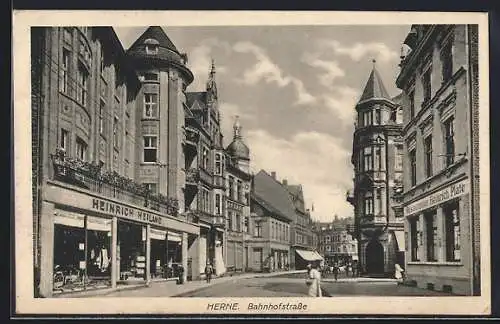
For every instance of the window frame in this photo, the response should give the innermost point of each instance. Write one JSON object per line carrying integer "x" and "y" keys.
{"x": 446, "y": 57}
{"x": 152, "y": 105}
{"x": 452, "y": 231}
{"x": 414, "y": 238}
{"x": 449, "y": 140}
{"x": 65, "y": 70}
{"x": 428, "y": 156}
{"x": 412, "y": 156}
{"x": 431, "y": 233}
{"x": 150, "y": 147}
{"x": 81, "y": 149}
{"x": 82, "y": 84}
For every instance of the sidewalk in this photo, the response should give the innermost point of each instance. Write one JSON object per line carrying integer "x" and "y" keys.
{"x": 171, "y": 288}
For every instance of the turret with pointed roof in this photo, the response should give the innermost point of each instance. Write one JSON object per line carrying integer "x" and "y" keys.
{"x": 377, "y": 140}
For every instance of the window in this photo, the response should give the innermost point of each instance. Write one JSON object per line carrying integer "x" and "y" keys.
{"x": 230, "y": 221}
{"x": 151, "y": 76}
{"x": 378, "y": 158}
{"x": 238, "y": 222}
{"x": 64, "y": 71}
{"x": 431, "y": 235}
{"x": 426, "y": 83}
{"x": 206, "y": 158}
{"x": 151, "y": 49}
{"x": 102, "y": 108}
{"x": 449, "y": 129}
{"x": 328, "y": 247}
{"x": 81, "y": 149}
{"x": 83, "y": 75}
{"x": 231, "y": 188}
{"x": 150, "y": 149}
{"x": 398, "y": 165}
{"x": 379, "y": 210}
{"x": 367, "y": 118}
{"x": 447, "y": 60}
{"x": 368, "y": 203}
{"x": 414, "y": 238}
{"x": 150, "y": 105}
{"x": 411, "y": 97}
{"x": 413, "y": 167}
{"x": 218, "y": 164}
{"x": 328, "y": 238}
{"x": 378, "y": 118}
{"x": 151, "y": 187}
{"x": 428, "y": 156}
{"x": 239, "y": 191}
{"x": 246, "y": 225}
{"x": 258, "y": 229}
{"x": 218, "y": 204}
{"x": 64, "y": 139}
{"x": 115, "y": 132}
{"x": 452, "y": 232}
{"x": 367, "y": 159}
{"x": 272, "y": 230}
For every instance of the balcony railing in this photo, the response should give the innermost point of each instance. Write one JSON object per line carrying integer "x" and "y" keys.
{"x": 192, "y": 176}
{"x": 109, "y": 184}
{"x": 192, "y": 136}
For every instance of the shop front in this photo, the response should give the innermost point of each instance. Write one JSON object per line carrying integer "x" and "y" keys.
{"x": 89, "y": 242}
{"x": 437, "y": 228}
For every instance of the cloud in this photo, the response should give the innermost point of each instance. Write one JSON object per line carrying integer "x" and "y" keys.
{"x": 199, "y": 61}
{"x": 331, "y": 69}
{"x": 342, "y": 101}
{"x": 316, "y": 160}
{"x": 357, "y": 51}
{"x": 265, "y": 69}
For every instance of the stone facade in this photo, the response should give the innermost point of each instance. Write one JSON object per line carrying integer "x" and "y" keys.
{"x": 439, "y": 80}
{"x": 377, "y": 160}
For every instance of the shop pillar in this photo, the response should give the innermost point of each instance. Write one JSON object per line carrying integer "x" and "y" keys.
{"x": 148, "y": 254}
{"x": 185, "y": 255}
{"x": 47, "y": 249}
{"x": 194, "y": 254}
{"x": 114, "y": 259}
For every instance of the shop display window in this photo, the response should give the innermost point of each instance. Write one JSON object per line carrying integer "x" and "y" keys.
{"x": 131, "y": 249}
{"x": 81, "y": 252}
{"x": 174, "y": 255}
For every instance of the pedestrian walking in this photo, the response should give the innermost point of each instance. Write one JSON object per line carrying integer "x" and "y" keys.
{"x": 313, "y": 280}
{"x": 336, "y": 271}
{"x": 208, "y": 272}
{"x": 399, "y": 272}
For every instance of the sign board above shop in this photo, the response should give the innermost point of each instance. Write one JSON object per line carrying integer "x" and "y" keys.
{"x": 84, "y": 201}
{"x": 450, "y": 192}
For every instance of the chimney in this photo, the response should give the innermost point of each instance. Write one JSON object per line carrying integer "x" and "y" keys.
{"x": 273, "y": 174}
{"x": 285, "y": 182}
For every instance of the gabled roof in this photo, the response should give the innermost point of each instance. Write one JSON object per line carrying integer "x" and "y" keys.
{"x": 374, "y": 88}
{"x": 157, "y": 33}
{"x": 296, "y": 192}
{"x": 273, "y": 193}
{"x": 192, "y": 97}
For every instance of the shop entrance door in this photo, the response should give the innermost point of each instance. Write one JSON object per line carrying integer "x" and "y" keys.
{"x": 375, "y": 258}
{"x": 257, "y": 259}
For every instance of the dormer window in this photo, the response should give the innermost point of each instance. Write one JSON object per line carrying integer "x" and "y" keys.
{"x": 151, "y": 46}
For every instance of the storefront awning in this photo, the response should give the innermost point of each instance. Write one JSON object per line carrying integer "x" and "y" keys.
{"x": 318, "y": 256}
{"x": 400, "y": 239}
{"x": 309, "y": 255}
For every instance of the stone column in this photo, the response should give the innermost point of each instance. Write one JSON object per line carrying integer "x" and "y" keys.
{"x": 441, "y": 250}
{"x": 114, "y": 251}
{"x": 47, "y": 249}
{"x": 185, "y": 255}
{"x": 148, "y": 254}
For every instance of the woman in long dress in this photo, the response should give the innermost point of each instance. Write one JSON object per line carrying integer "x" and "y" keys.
{"x": 314, "y": 277}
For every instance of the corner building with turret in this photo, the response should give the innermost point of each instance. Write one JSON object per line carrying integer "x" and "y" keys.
{"x": 377, "y": 159}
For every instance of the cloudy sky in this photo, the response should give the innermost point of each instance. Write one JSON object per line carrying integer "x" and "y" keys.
{"x": 294, "y": 88}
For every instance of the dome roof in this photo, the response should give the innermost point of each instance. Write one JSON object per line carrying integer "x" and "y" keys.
{"x": 239, "y": 150}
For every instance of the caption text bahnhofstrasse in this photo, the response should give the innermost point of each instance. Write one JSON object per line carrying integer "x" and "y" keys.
{"x": 258, "y": 306}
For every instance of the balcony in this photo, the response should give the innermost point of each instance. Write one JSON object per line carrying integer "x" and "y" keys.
{"x": 192, "y": 137}
{"x": 109, "y": 184}
{"x": 350, "y": 198}
{"x": 192, "y": 177}
{"x": 219, "y": 181}
{"x": 205, "y": 176}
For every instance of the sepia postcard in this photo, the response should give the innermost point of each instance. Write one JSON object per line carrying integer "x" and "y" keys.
{"x": 289, "y": 163}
